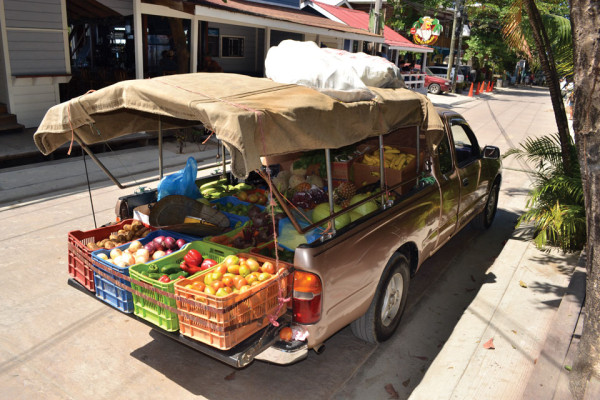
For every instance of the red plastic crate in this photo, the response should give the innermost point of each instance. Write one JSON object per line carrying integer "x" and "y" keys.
{"x": 224, "y": 322}
{"x": 80, "y": 256}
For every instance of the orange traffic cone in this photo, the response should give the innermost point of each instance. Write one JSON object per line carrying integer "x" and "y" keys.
{"x": 471, "y": 90}
{"x": 478, "y": 89}
{"x": 492, "y": 88}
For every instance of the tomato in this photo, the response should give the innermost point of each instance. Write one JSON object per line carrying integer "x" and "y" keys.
{"x": 217, "y": 285}
{"x": 208, "y": 279}
{"x": 234, "y": 269}
{"x": 256, "y": 282}
{"x": 240, "y": 282}
{"x": 221, "y": 292}
{"x": 227, "y": 281}
{"x": 222, "y": 269}
{"x": 230, "y": 260}
{"x": 216, "y": 276}
{"x": 244, "y": 288}
{"x": 253, "y": 264}
{"x": 199, "y": 286}
{"x": 209, "y": 290}
{"x": 228, "y": 289}
{"x": 251, "y": 278}
{"x": 264, "y": 276}
{"x": 268, "y": 267}
{"x": 244, "y": 270}
{"x": 242, "y": 260}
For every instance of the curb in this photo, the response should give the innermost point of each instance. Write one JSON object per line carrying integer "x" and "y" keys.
{"x": 549, "y": 379}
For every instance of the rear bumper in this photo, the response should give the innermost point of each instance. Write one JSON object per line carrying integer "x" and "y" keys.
{"x": 284, "y": 353}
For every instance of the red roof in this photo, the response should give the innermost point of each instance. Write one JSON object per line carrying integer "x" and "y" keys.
{"x": 266, "y": 11}
{"x": 360, "y": 19}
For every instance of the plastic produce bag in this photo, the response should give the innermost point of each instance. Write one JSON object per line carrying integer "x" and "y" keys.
{"x": 182, "y": 182}
{"x": 337, "y": 73}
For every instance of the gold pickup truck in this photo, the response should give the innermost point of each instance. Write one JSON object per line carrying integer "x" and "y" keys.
{"x": 358, "y": 274}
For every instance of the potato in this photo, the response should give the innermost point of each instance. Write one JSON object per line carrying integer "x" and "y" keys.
{"x": 109, "y": 244}
{"x": 121, "y": 232}
{"x": 143, "y": 232}
{"x": 127, "y": 227}
{"x": 92, "y": 246}
{"x": 122, "y": 239}
{"x": 113, "y": 236}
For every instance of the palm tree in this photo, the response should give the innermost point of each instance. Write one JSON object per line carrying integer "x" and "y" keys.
{"x": 556, "y": 204}
{"x": 514, "y": 33}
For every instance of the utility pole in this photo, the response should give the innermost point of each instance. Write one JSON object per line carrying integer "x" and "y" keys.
{"x": 459, "y": 48}
{"x": 452, "y": 42}
{"x": 377, "y": 18}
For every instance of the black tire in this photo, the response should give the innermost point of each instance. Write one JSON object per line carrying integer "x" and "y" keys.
{"x": 434, "y": 88}
{"x": 486, "y": 217}
{"x": 382, "y": 318}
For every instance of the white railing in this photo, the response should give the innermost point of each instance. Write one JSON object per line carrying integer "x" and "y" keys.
{"x": 415, "y": 82}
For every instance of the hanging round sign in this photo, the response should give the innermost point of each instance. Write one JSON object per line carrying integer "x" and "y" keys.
{"x": 426, "y": 30}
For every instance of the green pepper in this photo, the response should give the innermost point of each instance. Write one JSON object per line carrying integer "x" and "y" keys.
{"x": 152, "y": 268}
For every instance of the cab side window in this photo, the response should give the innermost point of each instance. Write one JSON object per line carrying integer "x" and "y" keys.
{"x": 445, "y": 156}
{"x": 465, "y": 144}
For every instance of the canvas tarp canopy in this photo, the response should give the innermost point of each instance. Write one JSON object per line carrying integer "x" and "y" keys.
{"x": 253, "y": 117}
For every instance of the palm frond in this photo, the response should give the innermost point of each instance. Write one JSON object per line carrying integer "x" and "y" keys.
{"x": 512, "y": 29}
{"x": 556, "y": 203}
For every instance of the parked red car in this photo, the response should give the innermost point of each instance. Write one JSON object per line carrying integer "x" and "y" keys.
{"x": 435, "y": 84}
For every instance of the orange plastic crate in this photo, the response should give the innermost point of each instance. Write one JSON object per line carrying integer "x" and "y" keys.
{"x": 224, "y": 322}
{"x": 80, "y": 257}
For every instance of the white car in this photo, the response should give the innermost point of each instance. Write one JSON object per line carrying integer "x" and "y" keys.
{"x": 442, "y": 72}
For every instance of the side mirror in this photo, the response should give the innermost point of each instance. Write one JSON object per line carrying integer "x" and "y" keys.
{"x": 492, "y": 152}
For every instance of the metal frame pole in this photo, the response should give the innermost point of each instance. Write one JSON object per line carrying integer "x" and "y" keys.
{"x": 160, "y": 148}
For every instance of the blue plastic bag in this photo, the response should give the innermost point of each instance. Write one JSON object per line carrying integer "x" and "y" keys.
{"x": 182, "y": 182}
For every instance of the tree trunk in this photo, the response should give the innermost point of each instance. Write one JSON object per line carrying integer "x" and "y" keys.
{"x": 548, "y": 65}
{"x": 585, "y": 19}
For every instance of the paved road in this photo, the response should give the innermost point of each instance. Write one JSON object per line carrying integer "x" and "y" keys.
{"x": 57, "y": 343}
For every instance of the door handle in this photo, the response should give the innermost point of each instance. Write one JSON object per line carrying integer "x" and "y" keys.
{"x": 465, "y": 182}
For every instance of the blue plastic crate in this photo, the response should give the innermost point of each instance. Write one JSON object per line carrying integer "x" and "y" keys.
{"x": 235, "y": 218}
{"x": 235, "y": 201}
{"x": 112, "y": 294}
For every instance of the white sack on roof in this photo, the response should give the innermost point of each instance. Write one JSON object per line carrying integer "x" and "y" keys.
{"x": 337, "y": 73}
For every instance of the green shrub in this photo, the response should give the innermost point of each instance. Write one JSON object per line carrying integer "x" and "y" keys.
{"x": 556, "y": 204}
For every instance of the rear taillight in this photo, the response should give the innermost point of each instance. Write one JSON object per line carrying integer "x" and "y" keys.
{"x": 306, "y": 301}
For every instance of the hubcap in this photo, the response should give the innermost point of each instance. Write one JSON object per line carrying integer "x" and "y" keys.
{"x": 491, "y": 204}
{"x": 392, "y": 299}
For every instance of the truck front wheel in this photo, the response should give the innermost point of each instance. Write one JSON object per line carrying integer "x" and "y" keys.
{"x": 491, "y": 206}
{"x": 383, "y": 316}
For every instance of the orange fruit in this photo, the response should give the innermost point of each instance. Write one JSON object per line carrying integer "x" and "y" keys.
{"x": 286, "y": 334}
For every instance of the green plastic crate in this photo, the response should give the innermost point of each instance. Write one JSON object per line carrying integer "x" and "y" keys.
{"x": 161, "y": 316}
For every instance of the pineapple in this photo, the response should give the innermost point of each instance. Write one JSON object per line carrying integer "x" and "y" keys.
{"x": 344, "y": 192}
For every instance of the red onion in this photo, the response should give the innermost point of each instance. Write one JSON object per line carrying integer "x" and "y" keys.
{"x": 180, "y": 243}
{"x": 168, "y": 252}
{"x": 151, "y": 247}
{"x": 170, "y": 243}
{"x": 159, "y": 239}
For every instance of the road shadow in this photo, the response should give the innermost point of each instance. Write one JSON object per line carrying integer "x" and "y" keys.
{"x": 439, "y": 293}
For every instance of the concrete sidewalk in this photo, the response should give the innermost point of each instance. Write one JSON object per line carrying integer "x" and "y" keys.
{"x": 495, "y": 346}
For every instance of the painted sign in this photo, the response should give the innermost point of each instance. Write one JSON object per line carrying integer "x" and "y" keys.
{"x": 426, "y": 30}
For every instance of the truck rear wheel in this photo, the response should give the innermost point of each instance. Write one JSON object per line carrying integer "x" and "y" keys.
{"x": 383, "y": 316}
